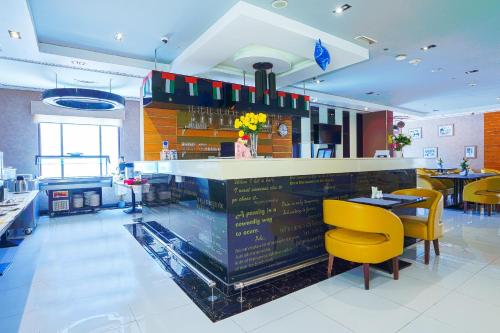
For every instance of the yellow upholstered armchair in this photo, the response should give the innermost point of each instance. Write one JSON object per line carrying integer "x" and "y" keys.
{"x": 362, "y": 234}
{"x": 430, "y": 227}
{"x": 483, "y": 192}
{"x": 441, "y": 185}
{"x": 495, "y": 171}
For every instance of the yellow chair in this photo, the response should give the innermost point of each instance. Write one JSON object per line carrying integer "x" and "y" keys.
{"x": 430, "y": 227}
{"x": 429, "y": 183}
{"x": 362, "y": 234}
{"x": 483, "y": 192}
{"x": 495, "y": 171}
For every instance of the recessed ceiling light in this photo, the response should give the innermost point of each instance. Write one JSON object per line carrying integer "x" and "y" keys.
{"x": 119, "y": 36}
{"x": 472, "y": 84}
{"x": 317, "y": 81}
{"x": 400, "y": 57}
{"x": 279, "y": 4}
{"x": 435, "y": 70}
{"x": 415, "y": 62}
{"x": 472, "y": 71}
{"x": 428, "y": 47}
{"x": 14, "y": 34}
{"x": 341, "y": 9}
{"x": 498, "y": 99}
{"x": 366, "y": 109}
{"x": 366, "y": 39}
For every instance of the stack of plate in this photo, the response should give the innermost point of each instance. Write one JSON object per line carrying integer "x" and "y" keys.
{"x": 95, "y": 200}
{"x": 77, "y": 201}
{"x": 87, "y": 195}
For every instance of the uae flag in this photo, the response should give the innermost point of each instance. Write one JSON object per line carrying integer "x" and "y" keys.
{"x": 267, "y": 99}
{"x": 217, "y": 90}
{"x": 295, "y": 99}
{"x": 192, "y": 85}
{"x": 236, "y": 92}
{"x": 307, "y": 103}
{"x": 169, "y": 82}
{"x": 281, "y": 99}
{"x": 251, "y": 95}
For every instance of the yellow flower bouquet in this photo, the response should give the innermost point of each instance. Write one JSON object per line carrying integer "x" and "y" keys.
{"x": 249, "y": 126}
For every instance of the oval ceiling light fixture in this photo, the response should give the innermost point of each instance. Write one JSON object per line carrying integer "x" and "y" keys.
{"x": 435, "y": 70}
{"x": 83, "y": 99}
{"x": 279, "y": 4}
{"x": 400, "y": 57}
{"x": 119, "y": 36}
{"x": 428, "y": 47}
{"x": 415, "y": 62}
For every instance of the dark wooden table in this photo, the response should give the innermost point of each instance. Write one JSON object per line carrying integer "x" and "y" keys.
{"x": 458, "y": 183}
{"x": 390, "y": 201}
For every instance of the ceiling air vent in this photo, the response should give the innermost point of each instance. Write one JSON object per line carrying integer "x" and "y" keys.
{"x": 365, "y": 39}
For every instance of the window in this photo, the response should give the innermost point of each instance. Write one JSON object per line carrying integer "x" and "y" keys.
{"x": 72, "y": 139}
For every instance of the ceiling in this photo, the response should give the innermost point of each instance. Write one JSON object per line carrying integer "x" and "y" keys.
{"x": 74, "y": 40}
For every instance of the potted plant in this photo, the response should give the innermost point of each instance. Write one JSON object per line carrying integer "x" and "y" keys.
{"x": 465, "y": 166}
{"x": 440, "y": 164}
{"x": 250, "y": 125}
{"x": 398, "y": 142}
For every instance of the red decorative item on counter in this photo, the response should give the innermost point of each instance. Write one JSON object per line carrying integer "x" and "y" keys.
{"x": 135, "y": 181}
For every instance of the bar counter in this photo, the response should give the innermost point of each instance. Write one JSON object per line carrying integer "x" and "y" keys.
{"x": 241, "y": 220}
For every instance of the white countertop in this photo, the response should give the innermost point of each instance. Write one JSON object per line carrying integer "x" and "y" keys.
{"x": 225, "y": 169}
{"x": 22, "y": 200}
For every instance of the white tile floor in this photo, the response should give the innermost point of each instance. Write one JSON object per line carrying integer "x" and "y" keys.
{"x": 87, "y": 274}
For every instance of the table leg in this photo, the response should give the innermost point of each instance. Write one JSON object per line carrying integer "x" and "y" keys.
{"x": 133, "y": 209}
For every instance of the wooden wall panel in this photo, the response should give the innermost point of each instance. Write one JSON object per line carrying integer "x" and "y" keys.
{"x": 163, "y": 124}
{"x": 492, "y": 140}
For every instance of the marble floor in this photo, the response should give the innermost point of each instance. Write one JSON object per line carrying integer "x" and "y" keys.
{"x": 87, "y": 274}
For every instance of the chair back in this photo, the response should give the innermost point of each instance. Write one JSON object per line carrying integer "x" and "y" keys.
{"x": 493, "y": 183}
{"x": 495, "y": 171}
{"x": 365, "y": 218}
{"x": 434, "y": 203}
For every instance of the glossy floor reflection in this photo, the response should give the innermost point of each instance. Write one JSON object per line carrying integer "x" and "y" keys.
{"x": 86, "y": 273}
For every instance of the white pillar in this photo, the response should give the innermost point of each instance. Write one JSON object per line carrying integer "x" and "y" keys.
{"x": 339, "y": 149}
{"x": 305, "y": 137}
{"x": 353, "y": 134}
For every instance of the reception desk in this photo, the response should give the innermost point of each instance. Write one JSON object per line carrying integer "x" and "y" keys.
{"x": 238, "y": 220}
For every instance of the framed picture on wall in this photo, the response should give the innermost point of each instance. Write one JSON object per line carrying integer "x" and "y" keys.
{"x": 470, "y": 152}
{"x": 445, "y": 130}
{"x": 430, "y": 152}
{"x": 415, "y": 133}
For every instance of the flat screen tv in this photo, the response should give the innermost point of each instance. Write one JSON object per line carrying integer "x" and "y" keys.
{"x": 327, "y": 134}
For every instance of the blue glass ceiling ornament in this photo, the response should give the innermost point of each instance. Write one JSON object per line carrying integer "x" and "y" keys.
{"x": 83, "y": 99}
{"x": 321, "y": 55}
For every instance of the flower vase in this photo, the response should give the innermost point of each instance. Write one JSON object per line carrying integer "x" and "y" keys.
{"x": 254, "y": 141}
{"x": 398, "y": 154}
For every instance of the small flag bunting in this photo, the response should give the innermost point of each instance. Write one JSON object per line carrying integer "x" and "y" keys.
{"x": 169, "y": 82}
{"x": 217, "y": 90}
{"x": 307, "y": 103}
{"x": 281, "y": 99}
{"x": 251, "y": 95}
{"x": 267, "y": 99}
{"x": 235, "y": 92}
{"x": 192, "y": 85}
{"x": 295, "y": 99}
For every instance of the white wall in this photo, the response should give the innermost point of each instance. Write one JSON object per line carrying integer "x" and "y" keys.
{"x": 468, "y": 131}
